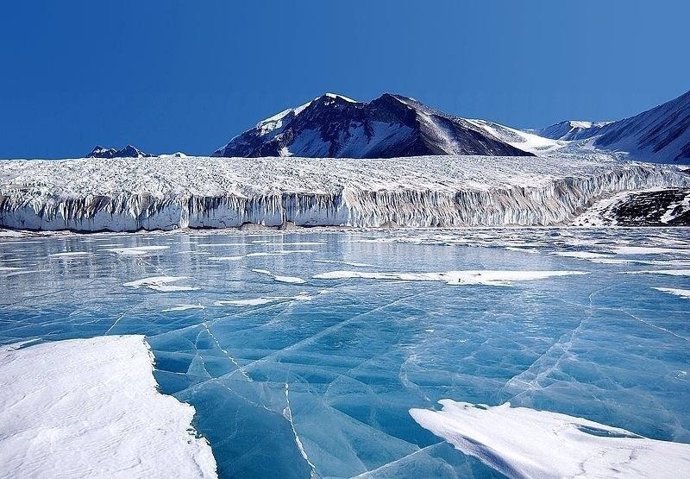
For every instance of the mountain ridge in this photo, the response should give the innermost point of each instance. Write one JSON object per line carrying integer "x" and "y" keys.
{"x": 660, "y": 134}
{"x": 389, "y": 126}
{"x": 128, "y": 151}
{"x": 336, "y": 126}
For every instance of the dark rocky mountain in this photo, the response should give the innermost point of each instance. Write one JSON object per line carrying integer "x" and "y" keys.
{"x": 389, "y": 126}
{"x": 660, "y": 135}
{"x": 571, "y": 130}
{"x": 128, "y": 151}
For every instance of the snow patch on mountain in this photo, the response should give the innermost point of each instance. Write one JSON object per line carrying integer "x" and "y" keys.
{"x": 523, "y": 140}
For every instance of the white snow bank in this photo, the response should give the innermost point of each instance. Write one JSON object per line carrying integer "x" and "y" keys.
{"x": 280, "y": 252}
{"x": 485, "y": 277}
{"x": 90, "y": 408}
{"x": 648, "y": 250}
{"x": 262, "y": 301}
{"x": 225, "y": 258}
{"x": 71, "y": 254}
{"x": 137, "y": 250}
{"x": 161, "y": 283}
{"x": 169, "y": 193}
{"x": 347, "y": 263}
{"x": 581, "y": 254}
{"x": 279, "y": 278}
{"x": 182, "y": 307}
{"x": 683, "y": 293}
{"x": 668, "y": 272}
{"x": 525, "y": 443}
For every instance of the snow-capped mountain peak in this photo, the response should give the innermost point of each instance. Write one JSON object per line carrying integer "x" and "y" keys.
{"x": 128, "y": 151}
{"x": 342, "y": 97}
{"x": 281, "y": 119}
{"x": 392, "y": 125}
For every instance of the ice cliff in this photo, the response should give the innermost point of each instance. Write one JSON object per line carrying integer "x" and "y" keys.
{"x": 197, "y": 192}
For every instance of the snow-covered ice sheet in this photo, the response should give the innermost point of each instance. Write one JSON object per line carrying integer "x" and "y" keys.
{"x": 169, "y": 193}
{"x": 90, "y": 408}
{"x": 524, "y": 443}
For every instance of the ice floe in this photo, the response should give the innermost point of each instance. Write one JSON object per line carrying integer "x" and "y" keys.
{"x": 219, "y": 245}
{"x": 479, "y": 277}
{"x": 161, "y": 283}
{"x": 262, "y": 301}
{"x": 525, "y": 443}
{"x": 279, "y": 252}
{"x": 172, "y": 193}
{"x": 667, "y": 272}
{"x": 683, "y": 293}
{"x": 71, "y": 254}
{"x": 581, "y": 254}
{"x": 91, "y": 408}
{"x": 137, "y": 250}
{"x": 644, "y": 250}
{"x": 280, "y": 278}
{"x": 182, "y": 307}
{"x": 225, "y": 258}
{"x": 354, "y": 264}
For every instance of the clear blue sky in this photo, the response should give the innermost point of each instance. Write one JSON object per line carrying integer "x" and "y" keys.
{"x": 188, "y": 75}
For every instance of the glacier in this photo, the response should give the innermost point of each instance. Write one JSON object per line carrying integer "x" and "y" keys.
{"x": 304, "y": 353}
{"x": 166, "y": 193}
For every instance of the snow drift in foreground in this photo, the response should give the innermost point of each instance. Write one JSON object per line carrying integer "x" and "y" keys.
{"x": 90, "y": 408}
{"x": 523, "y": 443}
{"x": 168, "y": 193}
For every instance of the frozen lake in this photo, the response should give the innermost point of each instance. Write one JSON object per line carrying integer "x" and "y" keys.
{"x": 304, "y": 352}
